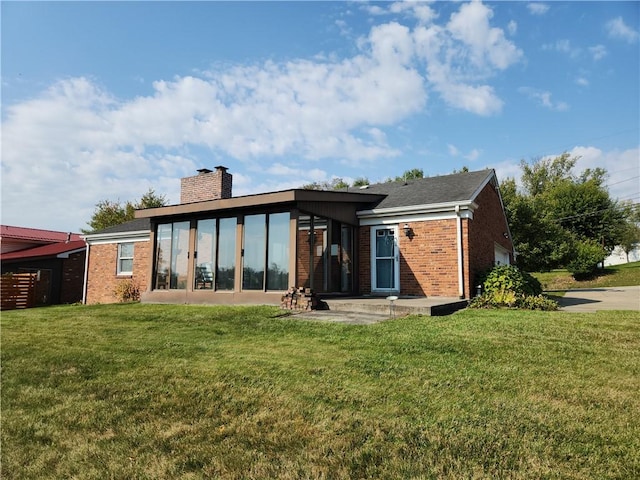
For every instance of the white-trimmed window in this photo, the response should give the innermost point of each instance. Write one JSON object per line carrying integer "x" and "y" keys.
{"x": 125, "y": 258}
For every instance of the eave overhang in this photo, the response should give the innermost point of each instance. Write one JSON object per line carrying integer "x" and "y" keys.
{"x": 448, "y": 207}
{"x": 293, "y": 198}
{"x": 97, "y": 238}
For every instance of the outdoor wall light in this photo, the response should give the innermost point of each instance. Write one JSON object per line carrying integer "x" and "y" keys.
{"x": 505, "y": 234}
{"x": 408, "y": 231}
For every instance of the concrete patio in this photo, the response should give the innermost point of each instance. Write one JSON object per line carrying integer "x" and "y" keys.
{"x": 368, "y": 310}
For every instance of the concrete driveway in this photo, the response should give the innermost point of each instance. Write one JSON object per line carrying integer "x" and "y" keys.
{"x": 595, "y": 299}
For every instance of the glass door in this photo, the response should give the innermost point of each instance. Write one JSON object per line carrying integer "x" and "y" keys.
{"x": 385, "y": 260}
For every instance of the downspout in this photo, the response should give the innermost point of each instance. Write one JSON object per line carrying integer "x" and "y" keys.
{"x": 86, "y": 273}
{"x": 460, "y": 266}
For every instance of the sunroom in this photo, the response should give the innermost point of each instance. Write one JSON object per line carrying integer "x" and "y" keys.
{"x": 253, "y": 248}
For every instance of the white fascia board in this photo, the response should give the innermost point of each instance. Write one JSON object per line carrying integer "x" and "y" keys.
{"x": 118, "y": 237}
{"x": 417, "y": 213}
{"x": 484, "y": 184}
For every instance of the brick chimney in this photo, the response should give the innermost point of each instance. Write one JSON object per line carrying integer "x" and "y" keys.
{"x": 207, "y": 185}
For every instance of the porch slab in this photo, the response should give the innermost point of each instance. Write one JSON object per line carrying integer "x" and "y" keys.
{"x": 430, "y": 306}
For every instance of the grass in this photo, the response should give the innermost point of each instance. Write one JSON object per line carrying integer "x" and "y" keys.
{"x": 157, "y": 392}
{"x": 614, "y": 276}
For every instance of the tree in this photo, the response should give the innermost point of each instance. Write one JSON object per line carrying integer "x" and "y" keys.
{"x": 630, "y": 234}
{"x": 336, "y": 183}
{"x": 360, "y": 182}
{"x": 108, "y": 213}
{"x": 412, "y": 174}
{"x": 557, "y": 213}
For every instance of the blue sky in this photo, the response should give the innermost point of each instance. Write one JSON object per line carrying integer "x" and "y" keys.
{"x": 106, "y": 100}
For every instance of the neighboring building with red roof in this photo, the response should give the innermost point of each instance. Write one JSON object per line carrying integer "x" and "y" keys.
{"x": 57, "y": 257}
{"x": 21, "y": 238}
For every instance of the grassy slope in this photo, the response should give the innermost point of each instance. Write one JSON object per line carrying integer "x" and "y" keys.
{"x": 615, "y": 276}
{"x": 150, "y": 391}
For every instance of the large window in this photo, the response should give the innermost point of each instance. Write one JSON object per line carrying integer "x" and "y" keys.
{"x": 266, "y": 248}
{"x": 125, "y": 258}
{"x": 278, "y": 252}
{"x": 226, "y": 270}
{"x": 254, "y": 252}
{"x": 172, "y": 255}
{"x": 265, "y": 254}
{"x": 205, "y": 254}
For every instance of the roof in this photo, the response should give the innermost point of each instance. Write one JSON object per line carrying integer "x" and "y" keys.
{"x": 457, "y": 187}
{"x": 442, "y": 190}
{"x": 35, "y": 234}
{"x": 45, "y": 251}
{"x": 135, "y": 225}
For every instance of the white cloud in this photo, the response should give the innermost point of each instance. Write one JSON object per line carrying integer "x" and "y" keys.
{"x": 463, "y": 53}
{"x": 473, "y": 155}
{"x": 487, "y": 46}
{"x": 543, "y": 98}
{"x": 90, "y": 145}
{"x": 418, "y": 9}
{"x": 598, "y": 52}
{"x": 618, "y": 29}
{"x": 563, "y": 46}
{"x": 453, "y": 151}
{"x": 537, "y": 8}
{"x": 583, "y": 82}
{"x": 512, "y": 27}
{"x": 622, "y": 167}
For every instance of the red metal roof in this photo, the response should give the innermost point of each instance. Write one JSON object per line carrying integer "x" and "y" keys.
{"x": 51, "y": 250}
{"x": 35, "y": 234}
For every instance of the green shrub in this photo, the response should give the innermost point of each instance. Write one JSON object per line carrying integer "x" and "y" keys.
{"x": 587, "y": 255}
{"x": 507, "y": 286}
{"x": 506, "y": 281}
{"x": 539, "y": 302}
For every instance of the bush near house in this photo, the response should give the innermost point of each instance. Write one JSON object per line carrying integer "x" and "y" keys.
{"x": 508, "y": 286}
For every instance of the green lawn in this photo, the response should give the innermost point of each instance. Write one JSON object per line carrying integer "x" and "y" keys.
{"x": 164, "y": 392}
{"x": 624, "y": 275}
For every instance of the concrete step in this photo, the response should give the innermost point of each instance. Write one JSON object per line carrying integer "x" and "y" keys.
{"x": 398, "y": 308}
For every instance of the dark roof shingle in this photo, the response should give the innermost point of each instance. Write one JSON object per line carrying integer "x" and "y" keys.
{"x": 457, "y": 187}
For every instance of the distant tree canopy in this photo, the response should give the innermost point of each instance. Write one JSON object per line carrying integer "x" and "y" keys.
{"x": 108, "y": 213}
{"x": 557, "y": 215}
{"x": 339, "y": 183}
{"x": 412, "y": 174}
{"x": 334, "y": 184}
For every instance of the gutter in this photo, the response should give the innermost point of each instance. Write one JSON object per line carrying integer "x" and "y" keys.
{"x": 94, "y": 239}
{"x": 86, "y": 274}
{"x": 416, "y": 209}
{"x": 460, "y": 258}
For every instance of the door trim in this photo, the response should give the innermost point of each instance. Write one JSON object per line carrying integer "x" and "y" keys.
{"x": 395, "y": 289}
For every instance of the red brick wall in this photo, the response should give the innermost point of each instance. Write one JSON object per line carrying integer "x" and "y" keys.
{"x": 206, "y": 186}
{"x": 364, "y": 259}
{"x": 429, "y": 260}
{"x": 102, "y": 278}
{"x": 72, "y": 278}
{"x": 485, "y": 230}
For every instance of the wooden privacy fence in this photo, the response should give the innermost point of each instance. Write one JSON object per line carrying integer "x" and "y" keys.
{"x": 17, "y": 290}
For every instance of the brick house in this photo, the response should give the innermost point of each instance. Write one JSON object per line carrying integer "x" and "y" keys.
{"x": 423, "y": 237}
{"x": 57, "y": 258}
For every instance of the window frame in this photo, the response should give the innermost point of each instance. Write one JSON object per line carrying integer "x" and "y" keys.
{"x": 120, "y": 258}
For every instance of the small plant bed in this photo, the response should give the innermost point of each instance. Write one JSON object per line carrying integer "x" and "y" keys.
{"x": 507, "y": 286}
